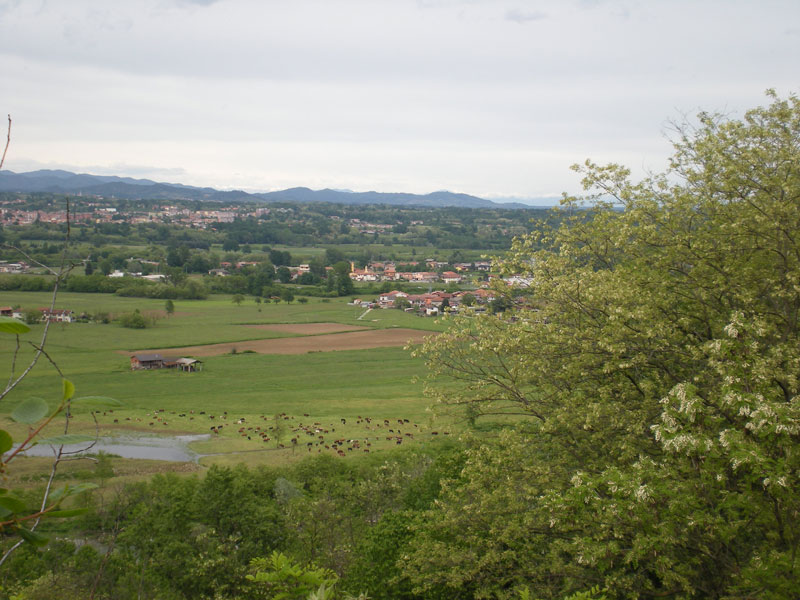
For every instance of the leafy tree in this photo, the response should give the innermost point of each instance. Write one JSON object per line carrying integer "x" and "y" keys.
{"x": 169, "y": 307}
{"x": 317, "y": 266}
{"x": 284, "y": 579}
{"x": 333, "y": 256}
{"x": 197, "y": 263}
{"x": 280, "y": 257}
{"x": 176, "y": 276}
{"x": 284, "y": 274}
{"x": 658, "y": 363}
{"x": 230, "y": 245}
{"x": 237, "y": 299}
{"x": 308, "y": 279}
{"x": 106, "y": 266}
{"x": 177, "y": 255}
{"x": 341, "y": 278}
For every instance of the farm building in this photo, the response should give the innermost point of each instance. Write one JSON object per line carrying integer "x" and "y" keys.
{"x": 188, "y": 364}
{"x": 157, "y": 361}
{"x": 150, "y": 361}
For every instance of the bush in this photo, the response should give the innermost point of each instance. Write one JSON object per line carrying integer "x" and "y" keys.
{"x": 134, "y": 320}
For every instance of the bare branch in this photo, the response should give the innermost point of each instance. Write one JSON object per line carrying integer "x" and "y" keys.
{"x": 8, "y": 141}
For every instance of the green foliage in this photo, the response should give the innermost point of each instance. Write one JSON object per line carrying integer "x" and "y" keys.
{"x": 17, "y": 518}
{"x": 282, "y": 579}
{"x": 30, "y": 411}
{"x": 657, "y": 359}
{"x": 12, "y": 326}
{"x": 32, "y": 316}
{"x": 132, "y": 320}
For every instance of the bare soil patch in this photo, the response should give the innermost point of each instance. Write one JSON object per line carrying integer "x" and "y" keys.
{"x": 354, "y": 340}
{"x": 308, "y": 328}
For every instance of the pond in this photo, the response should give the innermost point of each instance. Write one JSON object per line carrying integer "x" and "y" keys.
{"x": 174, "y": 448}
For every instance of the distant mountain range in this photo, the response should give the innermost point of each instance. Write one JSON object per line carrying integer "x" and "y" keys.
{"x": 65, "y": 182}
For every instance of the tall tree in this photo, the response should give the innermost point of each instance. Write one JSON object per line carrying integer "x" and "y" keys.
{"x": 657, "y": 359}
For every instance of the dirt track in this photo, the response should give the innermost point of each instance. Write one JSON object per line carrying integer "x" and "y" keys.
{"x": 354, "y": 340}
{"x": 308, "y": 328}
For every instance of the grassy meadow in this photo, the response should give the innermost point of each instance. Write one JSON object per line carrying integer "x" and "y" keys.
{"x": 328, "y": 387}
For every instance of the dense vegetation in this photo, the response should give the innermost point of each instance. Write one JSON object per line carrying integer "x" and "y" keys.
{"x": 635, "y": 424}
{"x": 658, "y": 361}
{"x": 361, "y": 233}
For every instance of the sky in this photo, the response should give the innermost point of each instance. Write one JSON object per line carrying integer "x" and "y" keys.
{"x": 495, "y": 98}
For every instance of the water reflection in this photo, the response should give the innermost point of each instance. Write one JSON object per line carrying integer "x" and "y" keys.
{"x": 174, "y": 448}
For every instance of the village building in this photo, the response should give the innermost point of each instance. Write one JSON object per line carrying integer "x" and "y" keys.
{"x": 57, "y": 315}
{"x": 388, "y": 299}
{"x": 18, "y": 267}
{"x": 451, "y": 277}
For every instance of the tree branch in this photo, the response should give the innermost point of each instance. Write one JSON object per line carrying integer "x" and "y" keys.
{"x": 8, "y": 141}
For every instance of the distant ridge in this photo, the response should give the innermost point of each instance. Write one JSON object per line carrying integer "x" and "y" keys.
{"x": 108, "y": 186}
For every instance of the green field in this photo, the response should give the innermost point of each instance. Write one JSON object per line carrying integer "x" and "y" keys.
{"x": 377, "y": 383}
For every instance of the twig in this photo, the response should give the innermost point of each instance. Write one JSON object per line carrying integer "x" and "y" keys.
{"x": 62, "y": 272}
{"x": 47, "y": 356}
{"x": 8, "y": 141}
{"x": 14, "y": 361}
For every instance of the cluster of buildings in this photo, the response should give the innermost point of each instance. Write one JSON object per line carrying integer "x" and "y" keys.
{"x": 431, "y": 303}
{"x": 14, "y": 267}
{"x": 373, "y": 228}
{"x": 390, "y": 271}
{"x": 56, "y": 315}
{"x": 382, "y": 271}
{"x": 98, "y": 213}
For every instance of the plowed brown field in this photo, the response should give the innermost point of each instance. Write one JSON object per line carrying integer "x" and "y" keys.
{"x": 309, "y": 328}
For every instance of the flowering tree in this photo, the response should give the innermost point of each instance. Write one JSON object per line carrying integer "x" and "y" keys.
{"x": 658, "y": 360}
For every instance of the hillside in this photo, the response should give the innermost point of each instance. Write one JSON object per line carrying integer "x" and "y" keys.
{"x": 65, "y": 182}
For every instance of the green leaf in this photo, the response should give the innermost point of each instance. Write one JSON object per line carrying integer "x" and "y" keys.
{"x": 67, "y": 438}
{"x": 4, "y": 512}
{"x": 71, "y": 490}
{"x": 97, "y": 401}
{"x": 13, "y": 326}
{"x": 81, "y": 487}
{"x": 5, "y": 441}
{"x": 32, "y": 537}
{"x": 69, "y": 389}
{"x": 15, "y": 505}
{"x": 72, "y": 512}
{"x": 30, "y": 411}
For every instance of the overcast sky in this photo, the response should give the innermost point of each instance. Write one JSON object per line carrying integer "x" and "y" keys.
{"x": 494, "y": 98}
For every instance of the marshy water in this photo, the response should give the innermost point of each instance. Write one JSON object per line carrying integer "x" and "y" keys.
{"x": 174, "y": 448}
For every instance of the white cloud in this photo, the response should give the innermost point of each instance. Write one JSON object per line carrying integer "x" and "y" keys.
{"x": 419, "y": 94}
{"x": 524, "y": 16}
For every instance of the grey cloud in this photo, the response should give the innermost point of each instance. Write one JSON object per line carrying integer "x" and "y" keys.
{"x": 523, "y": 16}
